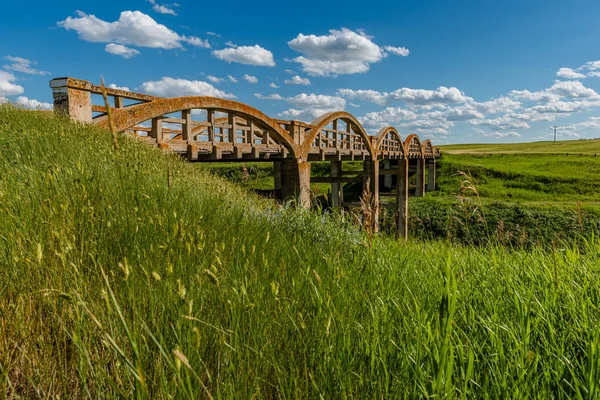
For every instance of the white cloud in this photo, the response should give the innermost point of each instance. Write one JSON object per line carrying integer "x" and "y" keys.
{"x": 559, "y": 90}
{"x": 297, "y": 80}
{"x": 214, "y": 79}
{"x": 399, "y": 51}
{"x": 569, "y": 74}
{"x": 305, "y": 115}
{"x": 120, "y": 50}
{"x": 273, "y": 96}
{"x": 113, "y": 86}
{"x": 497, "y": 106}
{"x": 175, "y": 87}
{"x": 32, "y": 104}
{"x": 7, "y": 87}
{"x": 163, "y": 9}
{"x": 213, "y": 34}
{"x": 3, "y": 100}
{"x": 232, "y": 79}
{"x": 442, "y": 95}
{"x": 132, "y": 28}
{"x": 196, "y": 41}
{"x": 386, "y": 117}
{"x": 499, "y": 135}
{"x": 501, "y": 123}
{"x": 273, "y": 85}
{"x": 307, "y": 107}
{"x": 250, "y": 78}
{"x": 341, "y": 52}
{"x": 249, "y": 55}
{"x": 321, "y": 101}
{"x": 23, "y": 65}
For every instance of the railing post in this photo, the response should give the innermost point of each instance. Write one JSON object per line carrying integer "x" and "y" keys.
{"x": 70, "y": 101}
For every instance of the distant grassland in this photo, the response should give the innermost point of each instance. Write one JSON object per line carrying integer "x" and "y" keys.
{"x": 563, "y": 147}
{"x": 525, "y": 177}
{"x": 133, "y": 274}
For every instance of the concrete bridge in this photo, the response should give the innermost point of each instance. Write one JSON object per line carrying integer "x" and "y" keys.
{"x": 209, "y": 129}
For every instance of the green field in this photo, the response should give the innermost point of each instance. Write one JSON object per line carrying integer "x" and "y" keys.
{"x": 574, "y": 147}
{"x": 127, "y": 273}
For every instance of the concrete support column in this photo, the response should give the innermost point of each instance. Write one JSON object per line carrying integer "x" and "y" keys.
{"x": 71, "y": 102}
{"x": 277, "y": 175}
{"x": 371, "y": 175}
{"x": 420, "y": 191}
{"x": 337, "y": 188}
{"x": 295, "y": 181}
{"x": 402, "y": 199}
{"x": 387, "y": 179}
{"x": 431, "y": 176}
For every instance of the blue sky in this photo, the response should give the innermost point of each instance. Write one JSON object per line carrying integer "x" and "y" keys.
{"x": 469, "y": 71}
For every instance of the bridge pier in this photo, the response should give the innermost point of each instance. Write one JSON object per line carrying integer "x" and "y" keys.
{"x": 387, "y": 178}
{"x": 371, "y": 181}
{"x": 402, "y": 199}
{"x": 420, "y": 191}
{"x": 337, "y": 188}
{"x": 431, "y": 176}
{"x": 295, "y": 181}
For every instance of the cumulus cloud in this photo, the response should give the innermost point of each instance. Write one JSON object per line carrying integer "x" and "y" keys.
{"x": 273, "y": 96}
{"x": 23, "y": 65}
{"x": 120, "y": 50}
{"x": 175, "y": 87}
{"x": 569, "y": 73}
{"x": 559, "y": 90}
{"x": 297, "y": 80}
{"x": 232, "y": 79}
{"x": 7, "y": 87}
{"x": 273, "y": 85}
{"x": 113, "y": 86}
{"x": 390, "y": 115}
{"x": 32, "y": 104}
{"x": 499, "y": 135}
{"x": 399, "y": 51}
{"x": 250, "y": 78}
{"x": 341, "y": 52}
{"x": 318, "y": 101}
{"x": 249, "y": 55}
{"x": 214, "y": 79}
{"x": 422, "y": 97}
{"x": 132, "y": 28}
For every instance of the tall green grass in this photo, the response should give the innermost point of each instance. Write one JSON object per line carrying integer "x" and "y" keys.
{"x": 135, "y": 275}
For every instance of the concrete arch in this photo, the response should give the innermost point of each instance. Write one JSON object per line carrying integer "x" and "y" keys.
{"x": 126, "y": 118}
{"x": 414, "y": 141}
{"x": 427, "y": 148}
{"x": 381, "y": 135}
{"x": 324, "y": 120}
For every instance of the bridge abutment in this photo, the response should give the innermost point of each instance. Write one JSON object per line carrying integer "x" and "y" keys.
{"x": 71, "y": 102}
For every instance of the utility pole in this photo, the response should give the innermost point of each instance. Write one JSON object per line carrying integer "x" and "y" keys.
{"x": 555, "y": 126}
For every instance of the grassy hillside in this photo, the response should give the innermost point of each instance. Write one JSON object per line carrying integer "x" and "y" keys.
{"x": 132, "y": 274}
{"x": 562, "y": 147}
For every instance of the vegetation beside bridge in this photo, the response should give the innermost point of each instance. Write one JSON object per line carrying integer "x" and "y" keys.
{"x": 131, "y": 273}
